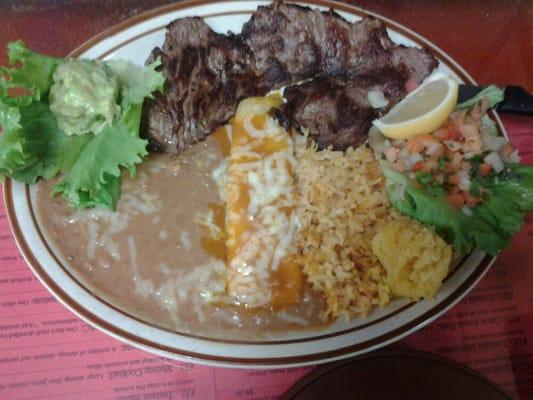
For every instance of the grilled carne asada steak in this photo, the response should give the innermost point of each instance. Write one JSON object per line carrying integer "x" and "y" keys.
{"x": 292, "y": 43}
{"x": 336, "y": 111}
{"x": 207, "y": 73}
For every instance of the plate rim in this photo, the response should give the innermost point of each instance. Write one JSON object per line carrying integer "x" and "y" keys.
{"x": 396, "y": 334}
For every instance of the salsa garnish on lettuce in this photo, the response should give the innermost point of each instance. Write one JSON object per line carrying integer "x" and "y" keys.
{"x": 463, "y": 179}
{"x": 32, "y": 145}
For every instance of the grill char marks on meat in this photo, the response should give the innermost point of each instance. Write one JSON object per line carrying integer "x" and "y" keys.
{"x": 292, "y": 43}
{"x": 207, "y": 73}
{"x": 336, "y": 112}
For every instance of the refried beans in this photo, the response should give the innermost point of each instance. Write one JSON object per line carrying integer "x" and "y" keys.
{"x": 149, "y": 258}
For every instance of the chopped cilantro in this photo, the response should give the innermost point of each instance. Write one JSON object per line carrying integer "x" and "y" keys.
{"x": 423, "y": 177}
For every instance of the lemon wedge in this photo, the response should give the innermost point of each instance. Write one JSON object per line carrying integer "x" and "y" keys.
{"x": 423, "y": 110}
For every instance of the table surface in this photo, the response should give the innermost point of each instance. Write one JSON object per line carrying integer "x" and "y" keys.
{"x": 491, "y": 329}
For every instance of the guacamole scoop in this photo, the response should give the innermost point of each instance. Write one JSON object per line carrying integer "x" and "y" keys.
{"x": 83, "y": 97}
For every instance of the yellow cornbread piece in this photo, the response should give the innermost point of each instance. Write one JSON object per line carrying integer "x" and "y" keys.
{"x": 415, "y": 259}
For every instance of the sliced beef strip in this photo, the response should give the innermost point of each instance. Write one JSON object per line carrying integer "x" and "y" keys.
{"x": 207, "y": 73}
{"x": 336, "y": 112}
{"x": 291, "y": 43}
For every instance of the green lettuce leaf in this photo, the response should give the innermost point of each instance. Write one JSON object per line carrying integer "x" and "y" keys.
{"x": 11, "y": 151}
{"x": 36, "y": 148}
{"x": 32, "y": 146}
{"x": 30, "y": 71}
{"x": 493, "y": 222}
{"x": 492, "y": 92}
{"x": 94, "y": 179}
{"x": 137, "y": 83}
{"x": 30, "y": 143}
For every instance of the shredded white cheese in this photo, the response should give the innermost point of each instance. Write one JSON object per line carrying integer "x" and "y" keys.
{"x": 270, "y": 193}
{"x": 143, "y": 287}
{"x": 104, "y": 226}
{"x": 220, "y": 176}
{"x": 185, "y": 240}
{"x": 206, "y": 219}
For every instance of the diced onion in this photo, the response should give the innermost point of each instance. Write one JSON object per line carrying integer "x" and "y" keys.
{"x": 285, "y": 316}
{"x": 452, "y": 145}
{"x": 399, "y": 191}
{"x": 377, "y": 99}
{"x": 464, "y": 180}
{"x": 404, "y": 153}
{"x": 398, "y": 142}
{"x": 433, "y": 149}
{"x": 469, "y": 131}
{"x": 377, "y": 140}
{"x": 493, "y": 143}
{"x": 495, "y": 161}
{"x": 414, "y": 158}
{"x": 411, "y": 159}
{"x": 467, "y": 211}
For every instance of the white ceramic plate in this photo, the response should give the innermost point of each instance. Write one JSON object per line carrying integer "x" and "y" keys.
{"x": 133, "y": 40}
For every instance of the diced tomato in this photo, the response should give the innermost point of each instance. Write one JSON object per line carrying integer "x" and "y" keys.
{"x": 484, "y": 169}
{"x": 427, "y": 165}
{"x": 418, "y": 143}
{"x": 454, "y": 179}
{"x": 453, "y": 133}
{"x": 448, "y": 153}
{"x": 414, "y": 145}
{"x": 441, "y": 133}
{"x": 457, "y": 118}
{"x": 456, "y": 199}
{"x": 419, "y": 166}
{"x": 431, "y": 164}
{"x": 446, "y": 132}
{"x": 449, "y": 168}
{"x": 471, "y": 201}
